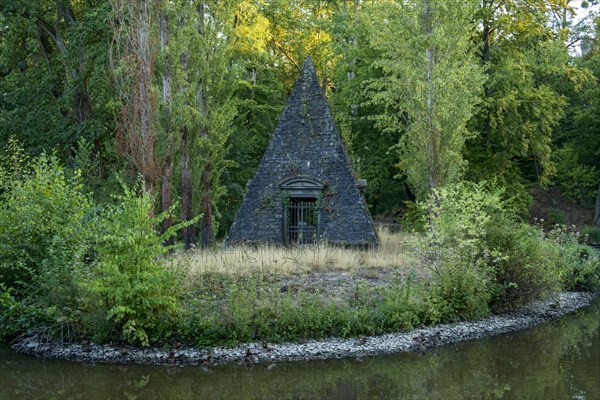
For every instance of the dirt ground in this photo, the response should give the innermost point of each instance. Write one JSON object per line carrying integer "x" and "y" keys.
{"x": 554, "y": 208}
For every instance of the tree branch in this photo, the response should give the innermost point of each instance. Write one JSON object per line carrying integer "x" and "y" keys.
{"x": 288, "y": 57}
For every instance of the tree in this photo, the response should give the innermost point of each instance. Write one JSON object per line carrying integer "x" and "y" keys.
{"x": 298, "y": 28}
{"x": 135, "y": 56}
{"x": 54, "y": 77}
{"x": 371, "y": 150}
{"x": 168, "y": 148}
{"x": 202, "y": 80}
{"x": 577, "y": 139}
{"x": 522, "y": 56}
{"x": 429, "y": 86}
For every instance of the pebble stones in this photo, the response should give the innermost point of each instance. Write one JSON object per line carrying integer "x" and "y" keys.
{"x": 416, "y": 340}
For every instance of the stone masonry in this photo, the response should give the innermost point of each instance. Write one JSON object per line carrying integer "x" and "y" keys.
{"x": 305, "y": 149}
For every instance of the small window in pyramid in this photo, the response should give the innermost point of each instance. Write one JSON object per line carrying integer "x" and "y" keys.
{"x": 302, "y": 221}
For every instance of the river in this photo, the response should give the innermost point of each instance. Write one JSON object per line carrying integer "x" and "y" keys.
{"x": 557, "y": 360}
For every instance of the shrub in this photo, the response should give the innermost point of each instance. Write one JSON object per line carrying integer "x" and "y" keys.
{"x": 481, "y": 255}
{"x": 458, "y": 221}
{"x": 401, "y": 306}
{"x": 579, "y": 264}
{"x": 579, "y": 181}
{"x": 459, "y": 218}
{"x": 127, "y": 280}
{"x": 43, "y": 233}
{"x": 412, "y": 217}
{"x": 556, "y": 216}
{"x": 17, "y": 317}
{"x": 527, "y": 268}
{"x": 591, "y": 234}
{"x": 458, "y": 293}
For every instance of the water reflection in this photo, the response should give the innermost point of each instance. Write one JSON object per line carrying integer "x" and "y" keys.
{"x": 558, "y": 360}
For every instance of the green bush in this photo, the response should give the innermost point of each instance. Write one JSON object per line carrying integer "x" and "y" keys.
{"x": 412, "y": 217}
{"x": 44, "y": 236}
{"x": 459, "y": 218}
{"x": 556, "y": 216}
{"x": 579, "y": 181}
{"x": 401, "y": 307}
{"x": 458, "y": 293}
{"x": 17, "y": 317}
{"x": 582, "y": 269}
{"x": 528, "y": 267}
{"x": 591, "y": 234}
{"x": 127, "y": 281}
{"x": 579, "y": 264}
{"x": 481, "y": 256}
{"x": 99, "y": 269}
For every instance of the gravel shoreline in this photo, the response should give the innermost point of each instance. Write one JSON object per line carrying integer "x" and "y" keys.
{"x": 418, "y": 339}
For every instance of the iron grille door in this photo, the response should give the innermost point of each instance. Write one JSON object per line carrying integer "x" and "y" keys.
{"x": 303, "y": 221}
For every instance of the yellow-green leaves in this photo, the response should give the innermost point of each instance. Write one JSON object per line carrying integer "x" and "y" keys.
{"x": 429, "y": 87}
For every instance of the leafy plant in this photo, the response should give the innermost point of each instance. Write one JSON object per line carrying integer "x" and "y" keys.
{"x": 44, "y": 236}
{"x": 580, "y": 264}
{"x": 458, "y": 293}
{"x": 481, "y": 255}
{"x": 528, "y": 267}
{"x": 459, "y": 218}
{"x": 17, "y": 317}
{"x": 591, "y": 233}
{"x": 127, "y": 278}
{"x": 579, "y": 181}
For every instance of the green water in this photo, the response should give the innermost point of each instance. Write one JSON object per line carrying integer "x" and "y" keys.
{"x": 557, "y": 360}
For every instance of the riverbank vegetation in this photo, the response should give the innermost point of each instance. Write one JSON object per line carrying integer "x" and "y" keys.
{"x": 468, "y": 119}
{"x": 74, "y": 269}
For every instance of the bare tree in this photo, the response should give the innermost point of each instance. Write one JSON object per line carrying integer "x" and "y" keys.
{"x": 167, "y": 175}
{"x": 132, "y": 49}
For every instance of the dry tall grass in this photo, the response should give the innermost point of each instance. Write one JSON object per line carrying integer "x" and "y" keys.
{"x": 394, "y": 251}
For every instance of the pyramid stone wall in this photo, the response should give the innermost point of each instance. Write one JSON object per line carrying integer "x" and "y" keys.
{"x": 305, "y": 143}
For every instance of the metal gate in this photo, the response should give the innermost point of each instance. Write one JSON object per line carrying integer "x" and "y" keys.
{"x": 302, "y": 221}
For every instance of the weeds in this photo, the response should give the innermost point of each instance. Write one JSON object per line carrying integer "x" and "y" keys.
{"x": 394, "y": 251}
{"x": 245, "y": 309}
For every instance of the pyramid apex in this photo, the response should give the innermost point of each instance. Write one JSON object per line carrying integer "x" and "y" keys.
{"x": 308, "y": 68}
{"x": 307, "y": 62}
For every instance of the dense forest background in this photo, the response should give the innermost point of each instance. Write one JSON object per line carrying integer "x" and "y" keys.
{"x": 186, "y": 94}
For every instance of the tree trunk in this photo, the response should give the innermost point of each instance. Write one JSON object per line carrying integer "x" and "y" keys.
{"x": 189, "y": 238}
{"x": 166, "y": 196}
{"x": 135, "y": 53}
{"x": 167, "y": 178}
{"x": 431, "y": 129}
{"x": 352, "y": 72}
{"x": 145, "y": 88}
{"x": 206, "y": 228}
{"x": 82, "y": 105}
{"x": 206, "y": 185}
{"x": 486, "y": 56}
{"x": 166, "y": 76}
{"x": 597, "y": 213}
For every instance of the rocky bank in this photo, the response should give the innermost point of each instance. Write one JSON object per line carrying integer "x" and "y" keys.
{"x": 418, "y": 339}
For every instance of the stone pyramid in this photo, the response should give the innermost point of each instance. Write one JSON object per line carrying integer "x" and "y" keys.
{"x": 304, "y": 190}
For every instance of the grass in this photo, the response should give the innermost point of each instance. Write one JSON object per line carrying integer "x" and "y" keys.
{"x": 272, "y": 294}
{"x": 395, "y": 251}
